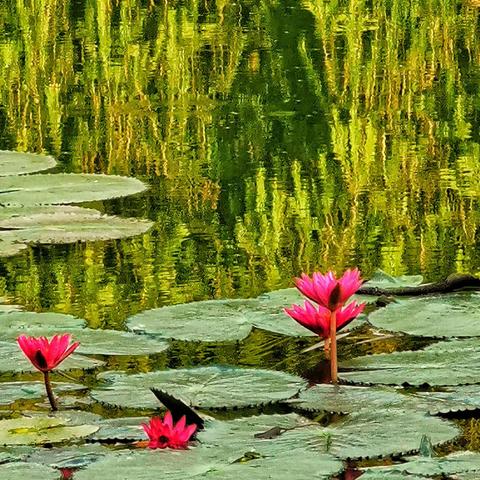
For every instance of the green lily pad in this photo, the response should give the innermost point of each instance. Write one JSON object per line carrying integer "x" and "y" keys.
{"x": 381, "y": 279}
{"x": 32, "y": 471}
{"x": 205, "y": 387}
{"x": 12, "y": 360}
{"x": 61, "y": 224}
{"x": 452, "y": 399}
{"x": 12, "y": 391}
{"x": 40, "y": 430}
{"x": 362, "y": 435}
{"x": 209, "y": 321}
{"x": 17, "y": 163}
{"x": 60, "y": 188}
{"x": 121, "y": 429}
{"x": 380, "y": 475}
{"x": 455, "y": 463}
{"x": 349, "y": 399}
{"x": 25, "y": 322}
{"x": 449, "y": 315}
{"x": 444, "y": 363}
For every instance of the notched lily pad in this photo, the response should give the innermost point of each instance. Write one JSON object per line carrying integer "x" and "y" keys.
{"x": 205, "y": 387}
{"x": 17, "y": 163}
{"x": 40, "y": 430}
{"x": 444, "y": 363}
{"x": 448, "y": 315}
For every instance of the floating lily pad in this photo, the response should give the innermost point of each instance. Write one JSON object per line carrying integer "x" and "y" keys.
{"x": 205, "y": 387}
{"x": 362, "y": 435}
{"x": 381, "y": 279}
{"x": 121, "y": 429}
{"x": 455, "y": 463}
{"x": 209, "y": 321}
{"x": 25, "y": 322}
{"x": 12, "y": 360}
{"x": 12, "y": 391}
{"x": 452, "y": 399}
{"x": 17, "y": 163}
{"x": 349, "y": 399}
{"x": 449, "y": 315}
{"x": 60, "y": 188}
{"x": 40, "y": 430}
{"x": 379, "y": 475}
{"x": 444, "y": 363}
{"x": 32, "y": 471}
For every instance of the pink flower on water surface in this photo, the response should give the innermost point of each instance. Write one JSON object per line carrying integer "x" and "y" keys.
{"x": 317, "y": 319}
{"x": 327, "y": 290}
{"x": 46, "y": 354}
{"x": 163, "y": 433}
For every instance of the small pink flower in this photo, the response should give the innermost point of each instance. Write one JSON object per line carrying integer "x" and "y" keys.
{"x": 317, "y": 319}
{"x": 327, "y": 290}
{"x": 46, "y": 354}
{"x": 163, "y": 433}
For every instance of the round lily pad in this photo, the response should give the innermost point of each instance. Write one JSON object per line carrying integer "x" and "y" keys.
{"x": 12, "y": 360}
{"x": 24, "y": 322}
{"x": 444, "y": 363}
{"x": 461, "y": 398}
{"x": 32, "y": 471}
{"x": 60, "y": 188}
{"x": 205, "y": 387}
{"x": 209, "y": 321}
{"x": 40, "y": 430}
{"x": 381, "y": 279}
{"x": 17, "y": 163}
{"x": 349, "y": 399}
{"x": 449, "y": 315}
{"x": 121, "y": 429}
{"x": 453, "y": 464}
{"x": 12, "y": 391}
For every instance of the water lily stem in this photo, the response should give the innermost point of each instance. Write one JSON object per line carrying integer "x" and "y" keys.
{"x": 48, "y": 388}
{"x": 333, "y": 346}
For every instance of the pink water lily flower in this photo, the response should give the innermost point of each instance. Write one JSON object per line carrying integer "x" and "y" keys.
{"x": 317, "y": 319}
{"x": 163, "y": 433}
{"x": 46, "y": 354}
{"x": 327, "y": 290}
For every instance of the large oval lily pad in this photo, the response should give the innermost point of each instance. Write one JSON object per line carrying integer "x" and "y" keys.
{"x": 444, "y": 363}
{"x": 205, "y": 387}
{"x": 32, "y": 471}
{"x": 17, "y": 163}
{"x": 61, "y": 188}
{"x": 12, "y": 360}
{"x": 40, "y": 430}
{"x": 453, "y": 464}
{"x": 12, "y": 391}
{"x": 24, "y": 322}
{"x": 449, "y": 315}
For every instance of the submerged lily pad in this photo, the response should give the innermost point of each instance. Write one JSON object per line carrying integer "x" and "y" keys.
{"x": 12, "y": 360}
{"x": 40, "y": 430}
{"x": 448, "y": 315}
{"x": 17, "y": 163}
{"x": 444, "y": 363}
{"x": 205, "y": 387}
{"x": 12, "y": 391}
{"x": 455, "y": 463}
{"x": 32, "y": 471}
{"x": 61, "y": 188}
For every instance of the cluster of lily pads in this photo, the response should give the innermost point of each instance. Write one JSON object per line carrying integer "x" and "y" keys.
{"x": 378, "y": 417}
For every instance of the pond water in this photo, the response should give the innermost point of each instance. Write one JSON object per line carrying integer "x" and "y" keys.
{"x": 276, "y": 137}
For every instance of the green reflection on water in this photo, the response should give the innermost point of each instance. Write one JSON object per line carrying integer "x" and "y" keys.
{"x": 276, "y": 138}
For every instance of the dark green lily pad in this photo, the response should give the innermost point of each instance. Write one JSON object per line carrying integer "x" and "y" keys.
{"x": 17, "y": 163}
{"x": 361, "y": 435}
{"x": 40, "y": 430}
{"x": 32, "y": 471}
{"x": 349, "y": 399}
{"x": 444, "y": 363}
{"x": 209, "y": 321}
{"x": 449, "y": 315}
{"x": 205, "y": 387}
{"x": 61, "y": 188}
{"x": 121, "y": 429}
{"x": 12, "y": 391}
{"x": 12, "y": 360}
{"x": 455, "y": 463}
